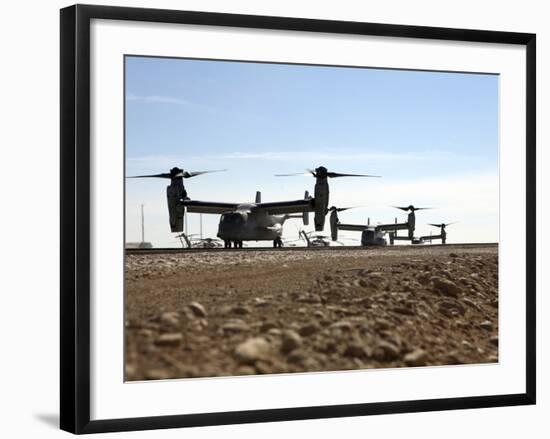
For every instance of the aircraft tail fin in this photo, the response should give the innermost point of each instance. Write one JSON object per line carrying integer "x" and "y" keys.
{"x": 305, "y": 215}
{"x": 258, "y": 197}
{"x": 334, "y": 225}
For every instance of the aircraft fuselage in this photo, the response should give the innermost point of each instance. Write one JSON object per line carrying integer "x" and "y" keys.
{"x": 248, "y": 223}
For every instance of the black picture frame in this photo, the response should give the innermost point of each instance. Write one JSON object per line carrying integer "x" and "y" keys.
{"x": 75, "y": 217}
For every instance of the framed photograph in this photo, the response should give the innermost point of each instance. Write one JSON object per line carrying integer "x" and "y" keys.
{"x": 275, "y": 218}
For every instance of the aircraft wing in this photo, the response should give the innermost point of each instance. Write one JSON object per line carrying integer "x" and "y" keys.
{"x": 283, "y": 207}
{"x": 429, "y": 237}
{"x": 194, "y": 206}
{"x": 392, "y": 227}
{"x": 352, "y": 227}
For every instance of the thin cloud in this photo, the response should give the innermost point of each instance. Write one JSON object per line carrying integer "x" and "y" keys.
{"x": 328, "y": 155}
{"x": 303, "y": 155}
{"x": 213, "y": 111}
{"x": 157, "y": 99}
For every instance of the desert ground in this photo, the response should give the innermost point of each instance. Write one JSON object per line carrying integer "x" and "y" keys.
{"x": 237, "y": 312}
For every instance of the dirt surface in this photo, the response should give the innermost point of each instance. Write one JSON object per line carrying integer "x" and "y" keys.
{"x": 256, "y": 312}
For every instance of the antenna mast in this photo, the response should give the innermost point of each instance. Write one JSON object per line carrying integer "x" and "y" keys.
{"x": 142, "y": 225}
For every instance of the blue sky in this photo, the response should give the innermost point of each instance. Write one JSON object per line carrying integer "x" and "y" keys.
{"x": 432, "y": 136}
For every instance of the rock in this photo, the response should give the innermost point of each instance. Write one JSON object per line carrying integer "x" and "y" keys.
{"x": 263, "y": 367}
{"x": 241, "y": 310}
{"x": 463, "y": 280}
{"x": 266, "y": 326}
{"x": 386, "y": 351}
{"x": 258, "y": 301}
{"x": 445, "y": 286}
{"x": 404, "y": 310}
{"x": 486, "y": 324}
{"x": 297, "y": 356}
{"x": 319, "y": 314}
{"x": 450, "y": 307}
{"x": 198, "y": 325}
{"x": 375, "y": 279}
{"x": 309, "y": 329}
{"x": 343, "y": 325}
{"x": 129, "y": 370}
{"x": 383, "y": 324}
{"x": 291, "y": 340}
{"x": 253, "y": 349}
{"x": 416, "y": 358}
{"x": 169, "y": 339}
{"x": 356, "y": 349}
{"x": 423, "y": 277}
{"x": 197, "y": 309}
{"x": 170, "y": 320}
{"x": 471, "y": 303}
{"x": 157, "y": 374}
{"x": 235, "y": 325}
{"x": 224, "y": 310}
{"x": 146, "y": 333}
{"x": 245, "y": 370}
{"x": 309, "y": 298}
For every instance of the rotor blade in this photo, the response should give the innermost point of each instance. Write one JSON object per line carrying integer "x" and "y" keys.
{"x": 414, "y": 209}
{"x": 163, "y": 175}
{"x": 337, "y": 174}
{"x": 442, "y": 224}
{"x": 341, "y": 209}
{"x": 312, "y": 172}
{"x": 187, "y": 174}
{"x": 302, "y": 174}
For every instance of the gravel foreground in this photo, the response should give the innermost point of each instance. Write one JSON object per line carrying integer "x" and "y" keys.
{"x": 258, "y": 312}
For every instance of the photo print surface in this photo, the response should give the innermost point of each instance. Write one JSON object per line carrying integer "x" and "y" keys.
{"x": 284, "y": 218}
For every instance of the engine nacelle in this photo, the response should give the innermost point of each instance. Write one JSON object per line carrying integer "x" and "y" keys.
{"x": 321, "y": 201}
{"x": 174, "y": 194}
{"x": 411, "y": 222}
{"x": 334, "y": 225}
{"x": 305, "y": 214}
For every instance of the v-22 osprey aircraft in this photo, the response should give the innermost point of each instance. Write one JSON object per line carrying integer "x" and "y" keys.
{"x": 258, "y": 221}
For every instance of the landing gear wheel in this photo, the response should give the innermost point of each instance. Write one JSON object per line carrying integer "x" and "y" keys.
{"x": 277, "y": 243}
{"x": 227, "y": 244}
